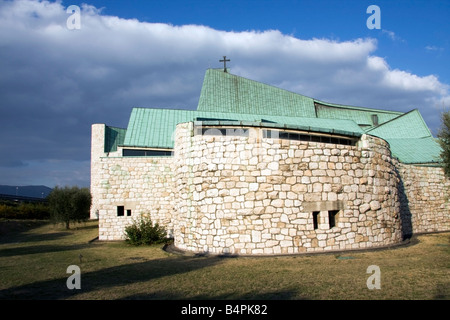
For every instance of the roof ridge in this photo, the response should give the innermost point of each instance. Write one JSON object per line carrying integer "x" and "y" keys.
{"x": 343, "y": 106}
{"x": 400, "y": 116}
{"x": 151, "y": 108}
{"x": 239, "y": 113}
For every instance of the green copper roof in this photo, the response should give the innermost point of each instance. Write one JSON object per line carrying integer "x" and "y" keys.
{"x": 408, "y": 125}
{"x": 416, "y": 150}
{"x": 410, "y": 139}
{"x": 155, "y": 127}
{"x": 113, "y": 138}
{"x": 362, "y": 116}
{"x": 230, "y": 99}
{"x": 224, "y": 92}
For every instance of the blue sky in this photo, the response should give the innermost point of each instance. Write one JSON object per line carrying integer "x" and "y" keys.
{"x": 414, "y": 35}
{"x": 55, "y": 82}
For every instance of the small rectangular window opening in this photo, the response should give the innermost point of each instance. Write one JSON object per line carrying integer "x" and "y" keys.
{"x": 375, "y": 119}
{"x": 120, "y": 211}
{"x": 128, "y": 213}
{"x": 316, "y": 219}
{"x": 333, "y": 218}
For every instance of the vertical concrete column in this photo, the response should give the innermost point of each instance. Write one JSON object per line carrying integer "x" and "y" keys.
{"x": 97, "y": 151}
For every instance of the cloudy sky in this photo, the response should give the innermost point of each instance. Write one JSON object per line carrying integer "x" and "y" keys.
{"x": 57, "y": 80}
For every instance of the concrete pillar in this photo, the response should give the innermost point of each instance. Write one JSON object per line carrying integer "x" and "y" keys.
{"x": 97, "y": 151}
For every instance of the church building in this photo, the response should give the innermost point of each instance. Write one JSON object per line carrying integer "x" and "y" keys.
{"x": 258, "y": 170}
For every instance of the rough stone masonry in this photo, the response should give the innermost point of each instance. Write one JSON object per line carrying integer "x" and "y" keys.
{"x": 253, "y": 195}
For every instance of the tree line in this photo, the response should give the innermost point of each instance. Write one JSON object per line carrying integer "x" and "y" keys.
{"x": 64, "y": 205}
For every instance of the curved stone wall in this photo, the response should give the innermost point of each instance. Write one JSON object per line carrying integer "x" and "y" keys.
{"x": 246, "y": 194}
{"x": 255, "y": 195}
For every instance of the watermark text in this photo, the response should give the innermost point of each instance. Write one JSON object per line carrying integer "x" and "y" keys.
{"x": 74, "y": 21}
{"x": 374, "y": 281}
{"x": 374, "y": 21}
{"x": 74, "y": 281}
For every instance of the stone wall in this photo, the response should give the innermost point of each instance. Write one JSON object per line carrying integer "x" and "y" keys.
{"x": 255, "y": 195}
{"x": 141, "y": 185}
{"x": 425, "y": 199}
{"x": 248, "y": 195}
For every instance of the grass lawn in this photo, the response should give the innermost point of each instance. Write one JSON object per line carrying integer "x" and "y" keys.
{"x": 34, "y": 257}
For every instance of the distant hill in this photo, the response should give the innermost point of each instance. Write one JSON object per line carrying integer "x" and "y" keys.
{"x": 26, "y": 191}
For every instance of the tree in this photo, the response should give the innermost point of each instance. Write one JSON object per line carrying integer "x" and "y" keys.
{"x": 69, "y": 204}
{"x": 444, "y": 141}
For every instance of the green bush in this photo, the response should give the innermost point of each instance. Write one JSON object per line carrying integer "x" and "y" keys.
{"x": 444, "y": 141}
{"x": 144, "y": 232}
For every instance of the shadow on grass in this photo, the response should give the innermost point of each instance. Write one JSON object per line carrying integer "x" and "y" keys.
{"x": 23, "y": 238}
{"x": 123, "y": 275}
{"x": 20, "y": 231}
{"x": 442, "y": 291}
{"x": 11, "y": 252}
{"x": 269, "y": 295}
{"x": 12, "y": 230}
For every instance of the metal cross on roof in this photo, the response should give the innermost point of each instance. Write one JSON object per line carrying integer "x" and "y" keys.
{"x": 224, "y": 63}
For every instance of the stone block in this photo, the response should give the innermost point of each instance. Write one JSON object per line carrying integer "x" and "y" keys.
{"x": 277, "y": 203}
{"x": 375, "y": 205}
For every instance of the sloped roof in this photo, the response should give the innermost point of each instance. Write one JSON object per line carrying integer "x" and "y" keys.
{"x": 362, "y": 116}
{"x": 225, "y": 92}
{"x": 408, "y": 125}
{"x": 155, "y": 127}
{"x": 415, "y": 150}
{"x": 227, "y": 97}
{"x": 410, "y": 138}
{"x": 113, "y": 138}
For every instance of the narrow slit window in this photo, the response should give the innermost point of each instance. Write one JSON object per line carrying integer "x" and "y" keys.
{"x": 120, "y": 211}
{"x": 316, "y": 220}
{"x": 315, "y": 138}
{"x": 305, "y": 137}
{"x": 375, "y": 119}
{"x": 145, "y": 153}
{"x": 335, "y": 140}
{"x": 333, "y": 218}
{"x": 277, "y": 134}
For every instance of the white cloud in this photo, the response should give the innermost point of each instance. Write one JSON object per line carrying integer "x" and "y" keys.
{"x": 434, "y": 49}
{"x": 56, "y": 82}
{"x": 392, "y": 35}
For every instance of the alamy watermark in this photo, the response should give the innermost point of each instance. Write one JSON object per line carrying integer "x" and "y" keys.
{"x": 74, "y": 21}
{"x": 374, "y": 281}
{"x": 374, "y": 21}
{"x": 74, "y": 281}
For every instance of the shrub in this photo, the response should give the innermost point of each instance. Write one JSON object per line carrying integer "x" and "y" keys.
{"x": 38, "y": 211}
{"x": 144, "y": 232}
{"x": 444, "y": 141}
